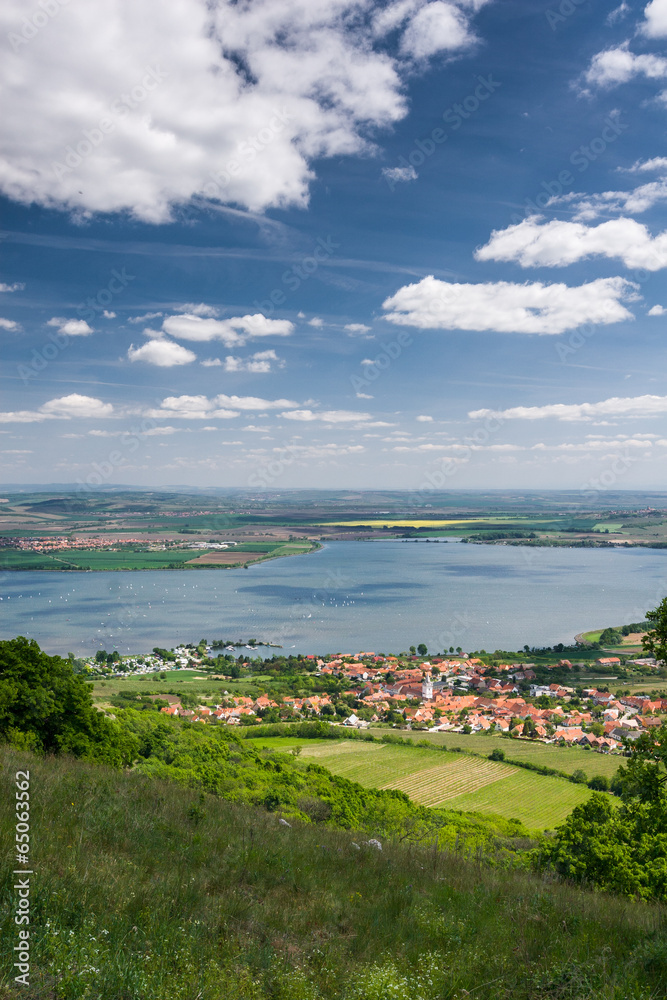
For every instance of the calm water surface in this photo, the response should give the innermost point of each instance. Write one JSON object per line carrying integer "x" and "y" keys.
{"x": 349, "y": 596}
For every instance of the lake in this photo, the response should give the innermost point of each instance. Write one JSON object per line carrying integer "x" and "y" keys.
{"x": 349, "y": 596}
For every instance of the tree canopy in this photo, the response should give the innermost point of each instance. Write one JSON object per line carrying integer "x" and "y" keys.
{"x": 45, "y": 706}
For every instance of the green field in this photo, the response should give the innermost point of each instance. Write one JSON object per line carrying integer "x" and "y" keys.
{"x": 130, "y": 559}
{"x": 456, "y": 781}
{"x": 195, "y": 682}
{"x": 567, "y": 759}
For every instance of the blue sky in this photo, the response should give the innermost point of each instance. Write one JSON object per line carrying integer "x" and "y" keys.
{"x": 412, "y": 244}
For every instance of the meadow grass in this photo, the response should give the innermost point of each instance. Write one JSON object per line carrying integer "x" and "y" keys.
{"x": 145, "y": 890}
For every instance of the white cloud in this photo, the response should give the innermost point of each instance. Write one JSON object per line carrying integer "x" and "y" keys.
{"x": 619, "y": 65}
{"x": 190, "y": 408}
{"x": 423, "y": 418}
{"x": 647, "y": 166}
{"x": 436, "y": 27}
{"x": 357, "y": 329}
{"x": 328, "y": 416}
{"x": 657, "y": 311}
{"x": 197, "y": 309}
{"x": 259, "y": 363}
{"x": 163, "y": 353}
{"x": 145, "y": 317}
{"x": 16, "y": 287}
{"x": 629, "y": 406}
{"x": 364, "y": 395}
{"x": 227, "y": 101}
{"x": 162, "y": 431}
{"x": 9, "y": 324}
{"x": 655, "y": 19}
{"x": 108, "y": 314}
{"x": 253, "y": 403}
{"x": 211, "y": 363}
{"x": 533, "y": 307}
{"x": 71, "y": 327}
{"x": 535, "y": 243}
{"x": 222, "y": 407}
{"x": 398, "y": 174}
{"x": 316, "y": 322}
{"x": 62, "y": 408}
{"x": 232, "y": 332}
{"x": 618, "y": 13}
{"x": 639, "y": 199}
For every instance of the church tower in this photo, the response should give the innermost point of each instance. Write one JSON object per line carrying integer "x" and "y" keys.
{"x": 427, "y": 687}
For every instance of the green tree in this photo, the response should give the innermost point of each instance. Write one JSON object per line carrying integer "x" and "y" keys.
{"x": 655, "y": 640}
{"x": 422, "y": 649}
{"x": 44, "y": 704}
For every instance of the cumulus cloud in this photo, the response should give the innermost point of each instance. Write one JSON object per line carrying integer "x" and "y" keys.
{"x": 16, "y": 287}
{"x": 504, "y": 307}
{"x": 223, "y": 407}
{"x": 9, "y": 324}
{"x": 655, "y": 19}
{"x": 357, "y": 329}
{"x": 618, "y": 65}
{"x": 71, "y": 327}
{"x": 639, "y": 199}
{"x": 316, "y": 322}
{"x": 227, "y": 101}
{"x": 436, "y": 27}
{"x": 399, "y": 174}
{"x": 536, "y": 243}
{"x": 232, "y": 332}
{"x": 328, "y": 416}
{"x": 657, "y": 311}
{"x": 423, "y": 418}
{"x": 163, "y": 353}
{"x": 62, "y": 408}
{"x": 629, "y": 406}
{"x": 259, "y": 363}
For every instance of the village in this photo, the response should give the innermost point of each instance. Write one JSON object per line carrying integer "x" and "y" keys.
{"x": 440, "y": 694}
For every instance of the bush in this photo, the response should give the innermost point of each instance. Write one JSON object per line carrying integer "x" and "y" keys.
{"x": 497, "y": 754}
{"x": 599, "y": 783}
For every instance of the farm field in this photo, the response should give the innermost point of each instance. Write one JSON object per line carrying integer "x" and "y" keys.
{"x": 568, "y": 759}
{"x": 136, "y": 559}
{"x": 459, "y": 781}
{"x": 192, "y": 682}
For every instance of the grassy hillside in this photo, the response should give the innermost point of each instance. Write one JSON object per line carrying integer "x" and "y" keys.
{"x": 146, "y": 890}
{"x": 457, "y": 781}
